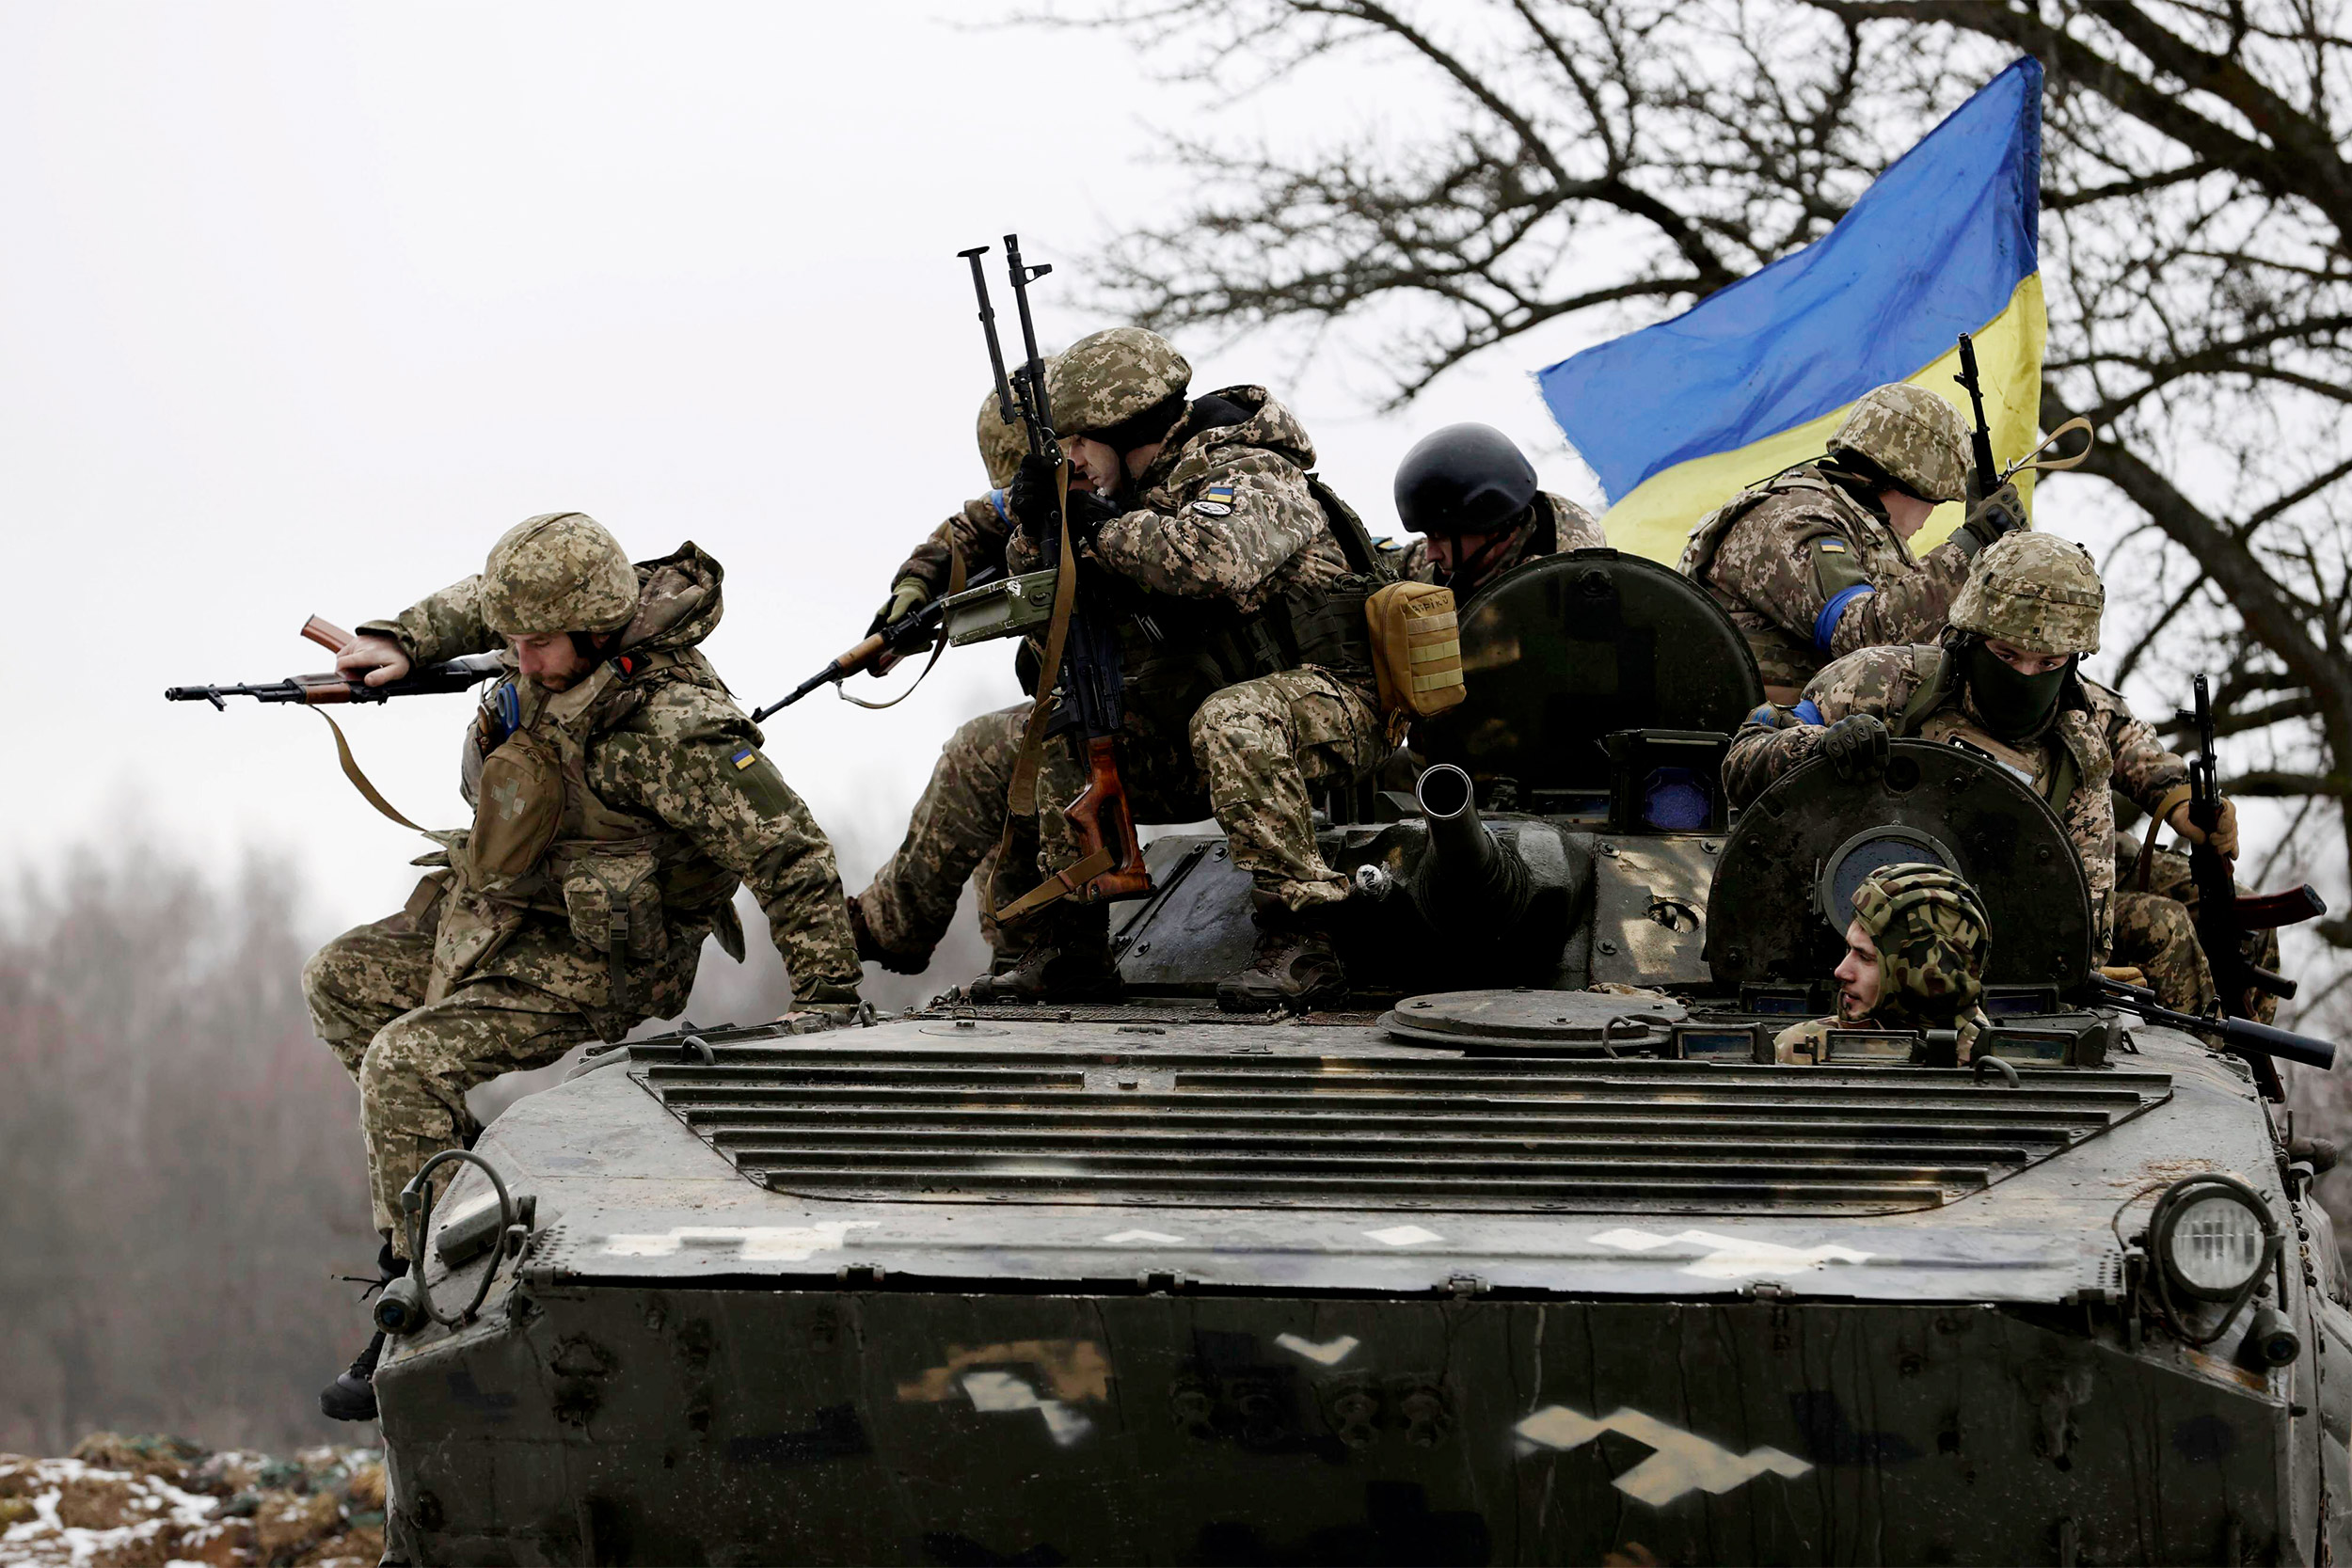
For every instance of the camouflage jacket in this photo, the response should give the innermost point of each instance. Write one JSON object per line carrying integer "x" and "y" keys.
{"x": 1222, "y": 514}
{"x": 1809, "y": 570}
{"x": 1558, "y": 525}
{"x": 2092, "y": 744}
{"x": 979, "y": 529}
{"x": 667, "y": 764}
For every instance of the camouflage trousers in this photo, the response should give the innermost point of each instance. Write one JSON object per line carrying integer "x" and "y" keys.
{"x": 2170, "y": 879}
{"x": 2153, "y": 934}
{"x": 540, "y": 996}
{"x": 1251, "y": 756}
{"x": 954, "y": 834}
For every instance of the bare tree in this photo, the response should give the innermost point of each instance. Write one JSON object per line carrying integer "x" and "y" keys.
{"x": 1614, "y": 161}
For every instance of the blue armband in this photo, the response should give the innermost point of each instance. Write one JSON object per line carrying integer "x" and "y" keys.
{"x": 996, "y": 500}
{"x": 1805, "y": 713}
{"x": 1825, "y": 624}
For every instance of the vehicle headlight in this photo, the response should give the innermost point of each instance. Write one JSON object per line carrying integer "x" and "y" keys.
{"x": 2211, "y": 1238}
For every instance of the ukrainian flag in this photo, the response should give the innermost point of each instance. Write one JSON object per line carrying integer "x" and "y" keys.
{"x": 1678, "y": 417}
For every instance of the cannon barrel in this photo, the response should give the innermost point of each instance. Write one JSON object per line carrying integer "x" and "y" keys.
{"x": 1467, "y": 876}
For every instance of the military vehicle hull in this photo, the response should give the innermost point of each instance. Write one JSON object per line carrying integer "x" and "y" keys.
{"x": 1912, "y": 1345}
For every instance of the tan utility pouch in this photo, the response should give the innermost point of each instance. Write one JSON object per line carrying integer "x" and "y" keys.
{"x": 1416, "y": 649}
{"x": 516, "y": 818}
{"x": 614, "y": 901}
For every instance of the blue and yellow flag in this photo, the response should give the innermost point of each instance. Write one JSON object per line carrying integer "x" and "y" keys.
{"x": 1676, "y": 418}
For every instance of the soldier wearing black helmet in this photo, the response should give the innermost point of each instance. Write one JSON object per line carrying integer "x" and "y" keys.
{"x": 1470, "y": 493}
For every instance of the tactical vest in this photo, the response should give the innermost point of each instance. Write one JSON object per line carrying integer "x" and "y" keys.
{"x": 543, "y": 842}
{"x": 1788, "y": 661}
{"x": 2075, "y": 784}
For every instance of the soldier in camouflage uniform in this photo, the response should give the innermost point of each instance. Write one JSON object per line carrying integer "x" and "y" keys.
{"x": 1816, "y": 562}
{"x": 2175, "y": 966}
{"x": 1243, "y": 643}
{"x": 1470, "y": 493}
{"x": 620, "y": 797}
{"x": 958, "y": 824}
{"x": 1914, "y": 959}
{"x": 2004, "y": 682}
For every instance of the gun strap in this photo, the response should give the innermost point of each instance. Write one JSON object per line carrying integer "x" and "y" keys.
{"x": 359, "y": 780}
{"x": 1021, "y": 793}
{"x": 939, "y": 642}
{"x": 2171, "y": 798}
{"x": 1064, "y": 883}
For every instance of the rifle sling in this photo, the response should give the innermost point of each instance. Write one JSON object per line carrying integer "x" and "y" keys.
{"x": 359, "y": 780}
{"x": 938, "y": 642}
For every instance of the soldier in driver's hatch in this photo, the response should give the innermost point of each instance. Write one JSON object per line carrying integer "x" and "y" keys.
{"x": 959, "y": 823}
{"x": 1914, "y": 959}
{"x": 2003, "y": 682}
{"x": 1815, "y": 562}
{"x": 1243, "y": 644}
{"x": 1470, "y": 493}
{"x": 619, "y": 797}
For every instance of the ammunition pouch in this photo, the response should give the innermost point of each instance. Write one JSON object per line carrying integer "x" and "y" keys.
{"x": 1416, "y": 650}
{"x": 615, "y": 903}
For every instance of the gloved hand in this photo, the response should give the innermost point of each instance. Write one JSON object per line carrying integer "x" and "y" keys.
{"x": 1030, "y": 496}
{"x": 1089, "y": 511}
{"x": 906, "y": 597}
{"x": 2002, "y": 511}
{"x": 2224, "y": 831}
{"x": 909, "y": 593}
{"x": 1856, "y": 746}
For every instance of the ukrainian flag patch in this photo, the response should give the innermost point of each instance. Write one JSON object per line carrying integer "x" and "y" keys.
{"x": 1216, "y": 501}
{"x": 744, "y": 758}
{"x": 1833, "y": 546}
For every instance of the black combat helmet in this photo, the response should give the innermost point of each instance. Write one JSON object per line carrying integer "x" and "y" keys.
{"x": 1464, "y": 479}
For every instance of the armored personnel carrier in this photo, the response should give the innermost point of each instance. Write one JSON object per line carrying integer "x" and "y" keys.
{"x": 1536, "y": 1253}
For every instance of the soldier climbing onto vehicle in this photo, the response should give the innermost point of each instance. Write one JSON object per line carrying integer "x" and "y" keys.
{"x": 1472, "y": 495}
{"x": 1243, "y": 647}
{"x": 1916, "y": 952}
{"x": 2005, "y": 682}
{"x": 620, "y": 797}
{"x": 1815, "y": 562}
{"x": 960, "y": 821}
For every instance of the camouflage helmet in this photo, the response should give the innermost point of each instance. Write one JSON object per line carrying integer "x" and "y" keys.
{"x": 1003, "y": 442}
{"x": 2036, "y": 590}
{"x": 1910, "y": 435}
{"x": 1106, "y": 378}
{"x": 557, "y": 572}
{"x": 1931, "y": 934}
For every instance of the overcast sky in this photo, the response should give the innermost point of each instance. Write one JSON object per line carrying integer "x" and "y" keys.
{"x": 304, "y": 304}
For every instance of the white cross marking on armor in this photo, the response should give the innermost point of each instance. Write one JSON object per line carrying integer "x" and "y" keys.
{"x": 1679, "y": 1461}
{"x": 996, "y": 1391}
{"x": 770, "y": 1243}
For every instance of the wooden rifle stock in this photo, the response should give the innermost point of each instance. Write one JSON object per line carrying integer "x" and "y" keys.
{"x": 1103, "y": 821}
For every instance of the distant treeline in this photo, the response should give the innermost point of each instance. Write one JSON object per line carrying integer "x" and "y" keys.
{"x": 181, "y": 1176}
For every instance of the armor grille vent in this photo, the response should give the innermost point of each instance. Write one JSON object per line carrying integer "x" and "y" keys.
{"x": 1176, "y": 1126}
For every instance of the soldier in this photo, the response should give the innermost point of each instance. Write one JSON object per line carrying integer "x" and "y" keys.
{"x": 959, "y": 822}
{"x": 1471, "y": 493}
{"x": 1816, "y": 562}
{"x": 1243, "y": 643}
{"x": 619, "y": 799}
{"x": 1914, "y": 959}
{"x": 2003, "y": 682}
{"x": 2176, "y": 967}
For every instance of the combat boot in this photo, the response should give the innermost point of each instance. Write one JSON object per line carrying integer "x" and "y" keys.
{"x": 352, "y": 1396}
{"x": 870, "y": 950}
{"x": 1295, "y": 966}
{"x": 1069, "y": 959}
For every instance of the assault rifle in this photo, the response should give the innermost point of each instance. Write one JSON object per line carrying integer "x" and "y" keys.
{"x": 910, "y": 634}
{"x": 455, "y": 674}
{"x": 1083, "y": 661}
{"x": 2223, "y": 919}
{"x": 2242, "y": 1035}
{"x": 1989, "y": 477}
